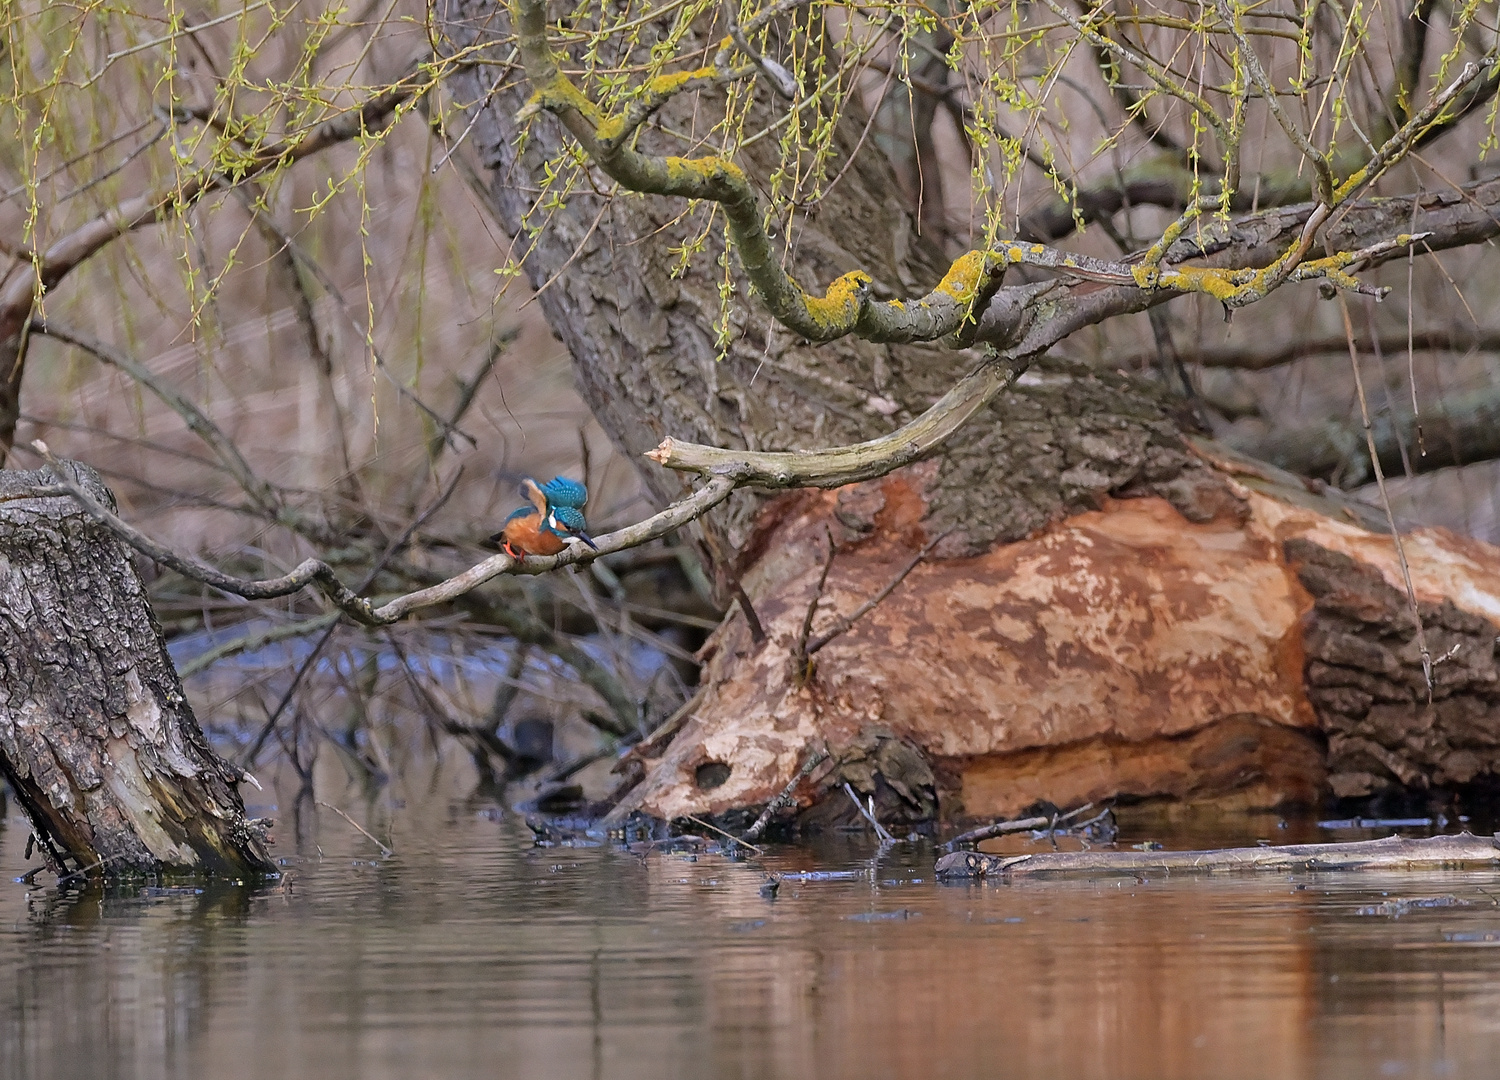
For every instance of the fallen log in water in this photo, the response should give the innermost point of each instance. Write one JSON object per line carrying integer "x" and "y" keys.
{"x": 1463, "y": 851}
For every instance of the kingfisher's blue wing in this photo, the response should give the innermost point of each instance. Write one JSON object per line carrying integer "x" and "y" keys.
{"x": 561, "y": 491}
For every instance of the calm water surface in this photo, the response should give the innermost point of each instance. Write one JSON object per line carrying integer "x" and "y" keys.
{"x": 474, "y": 953}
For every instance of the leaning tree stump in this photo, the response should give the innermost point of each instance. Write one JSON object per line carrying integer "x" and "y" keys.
{"x": 96, "y": 738}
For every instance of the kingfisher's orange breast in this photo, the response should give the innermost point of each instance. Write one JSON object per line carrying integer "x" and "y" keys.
{"x": 526, "y": 534}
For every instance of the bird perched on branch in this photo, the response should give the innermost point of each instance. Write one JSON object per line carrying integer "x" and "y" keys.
{"x": 552, "y": 521}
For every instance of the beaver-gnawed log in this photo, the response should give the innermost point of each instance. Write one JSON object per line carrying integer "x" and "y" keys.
{"x": 96, "y": 738}
{"x": 1213, "y": 633}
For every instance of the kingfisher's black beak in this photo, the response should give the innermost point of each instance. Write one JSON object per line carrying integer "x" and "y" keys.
{"x": 587, "y": 539}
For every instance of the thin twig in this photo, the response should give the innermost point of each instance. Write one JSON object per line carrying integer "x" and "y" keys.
{"x": 384, "y": 851}
{"x": 757, "y": 631}
{"x": 799, "y": 650}
{"x": 265, "y": 497}
{"x": 319, "y": 574}
{"x": 1003, "y": 828}
{"x": 1385, "y": 500}
{"x": 82, "y": 870}
{"x": 302, "y": 669}
{"x": 845, "y": 622}
{"x": 814, "y": 760}
{"x": 999, "y": 828}
{"x": 257, "y": 639}
{"x": 721, "y": 832}
{"x": 881, "y": 833}
{"x": 469, "y": 388}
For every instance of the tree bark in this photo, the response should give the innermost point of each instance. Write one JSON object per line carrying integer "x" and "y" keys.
{"x": 96, "y": 738}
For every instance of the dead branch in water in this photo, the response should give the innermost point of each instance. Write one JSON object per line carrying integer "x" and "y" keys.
{"x": 868, "y": 813}
{"x": 1392, "y": 853}
{"x": 814, "y": 760}
{"x": 1002, "y": 828}
{"x": 384, "y": 851}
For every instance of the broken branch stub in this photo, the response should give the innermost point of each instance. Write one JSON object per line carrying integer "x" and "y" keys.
{"x": 96, "y": 738}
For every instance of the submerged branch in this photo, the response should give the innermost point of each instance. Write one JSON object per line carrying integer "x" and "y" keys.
{"x": 1392, "y": 853}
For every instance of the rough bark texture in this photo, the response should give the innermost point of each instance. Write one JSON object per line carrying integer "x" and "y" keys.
{"x": 1365, "y": 680}
{"x": 96, "y": 738}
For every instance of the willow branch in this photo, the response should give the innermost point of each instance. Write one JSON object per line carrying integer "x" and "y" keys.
{"x": 1394, "y": 148}
{"x": 1253, "y": 356}
{"x": 779, "y": 77}
{"x": 950, "y": 311}
{"x": 60, "y": 258}
{"x": 1467, "y": 215}
{"x": 835, "y": 466}
{"x": 265, "y": 497}
{"x": 1153, "y": 71}
{"x": 1316, "y": 157}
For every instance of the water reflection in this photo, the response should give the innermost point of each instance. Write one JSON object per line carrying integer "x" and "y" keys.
{"x": 472, "y": 953}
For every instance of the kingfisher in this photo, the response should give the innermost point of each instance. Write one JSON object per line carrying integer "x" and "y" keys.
{"x": 552, "y": 521}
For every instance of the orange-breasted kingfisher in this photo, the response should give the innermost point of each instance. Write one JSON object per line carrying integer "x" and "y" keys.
{"x": 552, "y": 521}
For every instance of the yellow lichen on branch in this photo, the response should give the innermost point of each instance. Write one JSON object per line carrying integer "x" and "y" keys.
{"x": 839, "y": 307}
{"x": 950, "y": 311}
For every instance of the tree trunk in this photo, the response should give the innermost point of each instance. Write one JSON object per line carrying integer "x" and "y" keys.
{"x": 1109, "y": 608}
{"x": 96, "y": 737}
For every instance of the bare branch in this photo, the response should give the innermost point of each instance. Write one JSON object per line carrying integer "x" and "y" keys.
{"x": 949, "y": 311}
{"x": 844, "y": 623}
{"x": 265, "y": 497}
{"x": 59, "y": 259}
{"x": 1255, "y": 355}
{"x": 1154, "y": 71}
{"x": 846, "y": 464}
{"x": 1385, "y": 499}
{"x": 784, "y": 798}
{"x": 1398, "y": 144}
{"x": 318, "y": 574}
{"x": 1316, "y": 157}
